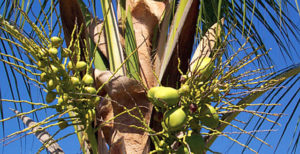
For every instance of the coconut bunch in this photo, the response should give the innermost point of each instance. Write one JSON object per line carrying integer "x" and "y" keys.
{"x": 209, "y": 90}
{"x": 65, "y": 74}
{"x": 180, "y": 115}
{"x": 61, "y": 75}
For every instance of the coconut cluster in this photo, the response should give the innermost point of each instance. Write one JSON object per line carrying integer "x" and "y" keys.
{"x": 63, "y": 81}
{"x": 188, "y": 108}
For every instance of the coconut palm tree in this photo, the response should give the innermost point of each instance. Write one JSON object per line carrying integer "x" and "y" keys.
{"x": 149, "y": 76}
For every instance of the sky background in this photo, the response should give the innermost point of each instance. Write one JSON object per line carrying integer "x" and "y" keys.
{"x": 30, "y": 144}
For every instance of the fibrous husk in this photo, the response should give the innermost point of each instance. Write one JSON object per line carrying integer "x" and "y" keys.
{"x": 124, "y": 93}
{"x": 146, "y": 15}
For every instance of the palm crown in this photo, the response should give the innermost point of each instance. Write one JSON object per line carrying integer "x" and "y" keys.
{"x": 175, "y": 73}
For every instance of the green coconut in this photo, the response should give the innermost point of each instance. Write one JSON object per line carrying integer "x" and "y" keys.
{"x": 54, "y": 69}
{"x": 203, "y": 67}
{"x": 150, "y": 95}
{"x": 51, "y": 84}
{"x": 161, "y": 96}
{"x": 90, "y": 90}
{"x": 75, "y": 80}
{"x": 53, "y": 51}
{"x": 81, "y": 65}
{"x": 70, "y": 65}
{"x": 50, "y": 97}
{"x": 175, "y": 119}
{"x": 209, "y": 116}
{"x": 167, "y": 95}
{"x": 56, "y": 41}
{"x": 195, "y": 143}
{"x": 88, "y": 79}
{"x": 43, "y": 77}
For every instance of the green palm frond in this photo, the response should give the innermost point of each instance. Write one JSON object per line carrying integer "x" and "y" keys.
{"x": 272, "y": 100}
{"x": 175, "y": 30}
{"x": 114, "y": 47}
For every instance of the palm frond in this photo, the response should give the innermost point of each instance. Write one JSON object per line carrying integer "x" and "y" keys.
{"x": 41, "y": 134}
{"x": 175, "y": 30}
{"x": 112, "y": 38}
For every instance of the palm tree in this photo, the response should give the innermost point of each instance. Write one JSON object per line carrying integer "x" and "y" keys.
{"x": 148, "y": 76}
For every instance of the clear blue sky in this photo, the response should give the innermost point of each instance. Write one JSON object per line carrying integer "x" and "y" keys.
{"x": 70, "y": 144}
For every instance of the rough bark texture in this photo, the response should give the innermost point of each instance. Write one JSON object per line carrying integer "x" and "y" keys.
{"x": 45, "y": 138}
{"x": 124, "y": 93}
{"x": 145, "y": 16}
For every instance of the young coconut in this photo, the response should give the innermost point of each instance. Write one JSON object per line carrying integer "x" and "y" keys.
{"x": 51, "y": 84}
{"x": 70, "y": 65}
{"x": 53, "y": 51}
{"x": 81, "y": 65}
{"x": 195, "y": 143}
{"x": 50, "y": 97}
{"x": 56, "y": 41}
{"x": 163, "y": 95}
{"x": 75, "y": 81}
{"x": 150, "y": 95}
{"x": 43, "y": 77}
{"x": 90, "y": 90}
{"x": 88, "y": 79}
{"x": 54, "y": 69}
{"x": 175, "y": 119}
{"x": 209, "y": 116}
{"x": 203, "y": 67}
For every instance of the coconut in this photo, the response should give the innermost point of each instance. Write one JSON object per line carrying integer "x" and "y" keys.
{"x": 53, "y": 51}
{"x": 43, "y": 77}
{"x": 56, "y": 41}
{"x": 70, "y": 65}
{"x": 88, "y": 79}
{"x": 195, "y": 143}
{"x": 175, "y": 119}
{"x": 167, "y": 95}
{"x": 161, "y": 96}
{"x": 51, "y": 84}
{"x": 203, "y": 67}
{"x": 54, "y": 69}
{"x": 90, "y": 90}
{"x": 75, "y": 80}
{"x": 81, "y": 65}
{"x": 50, "y": 97}
{"x": 209, "y": 116}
